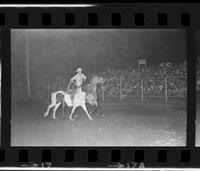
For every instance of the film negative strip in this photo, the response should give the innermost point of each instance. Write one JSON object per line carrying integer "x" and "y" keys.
{"x": 100, "y": 85}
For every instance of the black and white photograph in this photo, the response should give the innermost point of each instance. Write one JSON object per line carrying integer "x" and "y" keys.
{"x": 98, "y": 87}
{"x": 198, "y": 88}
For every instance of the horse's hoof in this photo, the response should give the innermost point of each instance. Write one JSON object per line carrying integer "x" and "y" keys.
{"x": 90, "y": 119}
{"x": 71, "y": 119}
{"x": 54, "y": 117}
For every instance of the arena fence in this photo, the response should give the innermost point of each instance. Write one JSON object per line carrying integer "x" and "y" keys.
{"x": 121, "y": 88}
{"x": 165, "y": 87}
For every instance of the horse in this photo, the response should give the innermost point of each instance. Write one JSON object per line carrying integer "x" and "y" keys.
{"x": 80, "y": 98}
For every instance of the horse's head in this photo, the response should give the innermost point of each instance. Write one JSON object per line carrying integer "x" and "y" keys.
{"x": 98, "y": 80}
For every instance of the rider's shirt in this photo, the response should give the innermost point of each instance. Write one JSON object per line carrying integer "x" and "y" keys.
{"x": 79, "y": 79}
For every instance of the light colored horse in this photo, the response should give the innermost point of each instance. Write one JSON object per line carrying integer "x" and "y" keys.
{"x": 80, "y": 98}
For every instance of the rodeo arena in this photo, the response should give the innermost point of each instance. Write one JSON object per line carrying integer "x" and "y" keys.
{"x": 144, "y": 106}
{"x": 105, "y": 87}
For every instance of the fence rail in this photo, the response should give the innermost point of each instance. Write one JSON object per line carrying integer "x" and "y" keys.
{"x": 140, "y": 87}
{"x": 149, "y": 87}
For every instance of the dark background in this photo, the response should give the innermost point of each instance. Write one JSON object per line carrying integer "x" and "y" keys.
{"x": 198, "y": 46}
{"x": 61, "y": 51}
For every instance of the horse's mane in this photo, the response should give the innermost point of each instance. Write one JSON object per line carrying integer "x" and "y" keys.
{"x": 87, "y": 86}
{"x": 93, "y": 76}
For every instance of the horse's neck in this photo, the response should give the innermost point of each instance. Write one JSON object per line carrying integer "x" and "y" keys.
{"x": 93, "y": 86}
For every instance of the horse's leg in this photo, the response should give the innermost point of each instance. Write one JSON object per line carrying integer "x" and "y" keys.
{"x": 63, "y": 105}
{"x": 97, "y": 107}
{"x": 48, "y": 109}
{"x": 72, "y": 111}
{"x": 55, "y": 109}
{"x": 67, "y": 101}
{"x": 86, "y": 111}
{"x": 53, "y": 103}
{"x": 96, "y": 103}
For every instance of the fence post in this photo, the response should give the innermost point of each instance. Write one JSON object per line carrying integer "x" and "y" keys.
{"x": 166, "y": 93}
{"x": 121, "y": 91}
{"x": 142, "y": 89}
{"x": 63, "y": 108}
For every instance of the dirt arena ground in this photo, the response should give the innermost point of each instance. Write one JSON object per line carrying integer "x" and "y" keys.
{"x": 153, "y": 122}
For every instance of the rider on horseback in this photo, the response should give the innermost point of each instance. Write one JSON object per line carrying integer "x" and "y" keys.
{"x": 78, "y": 81}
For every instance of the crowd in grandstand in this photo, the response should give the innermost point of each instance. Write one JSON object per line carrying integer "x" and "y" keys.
{"x": 152, "y": 79}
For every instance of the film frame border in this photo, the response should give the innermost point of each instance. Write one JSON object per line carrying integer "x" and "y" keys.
{"x": 143, "y": 16}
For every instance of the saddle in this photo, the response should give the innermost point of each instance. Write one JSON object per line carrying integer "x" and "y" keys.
{"x": 72, "y": 93}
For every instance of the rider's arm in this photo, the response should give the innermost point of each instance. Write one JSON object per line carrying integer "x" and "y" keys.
{"x": 73, "y": 78}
